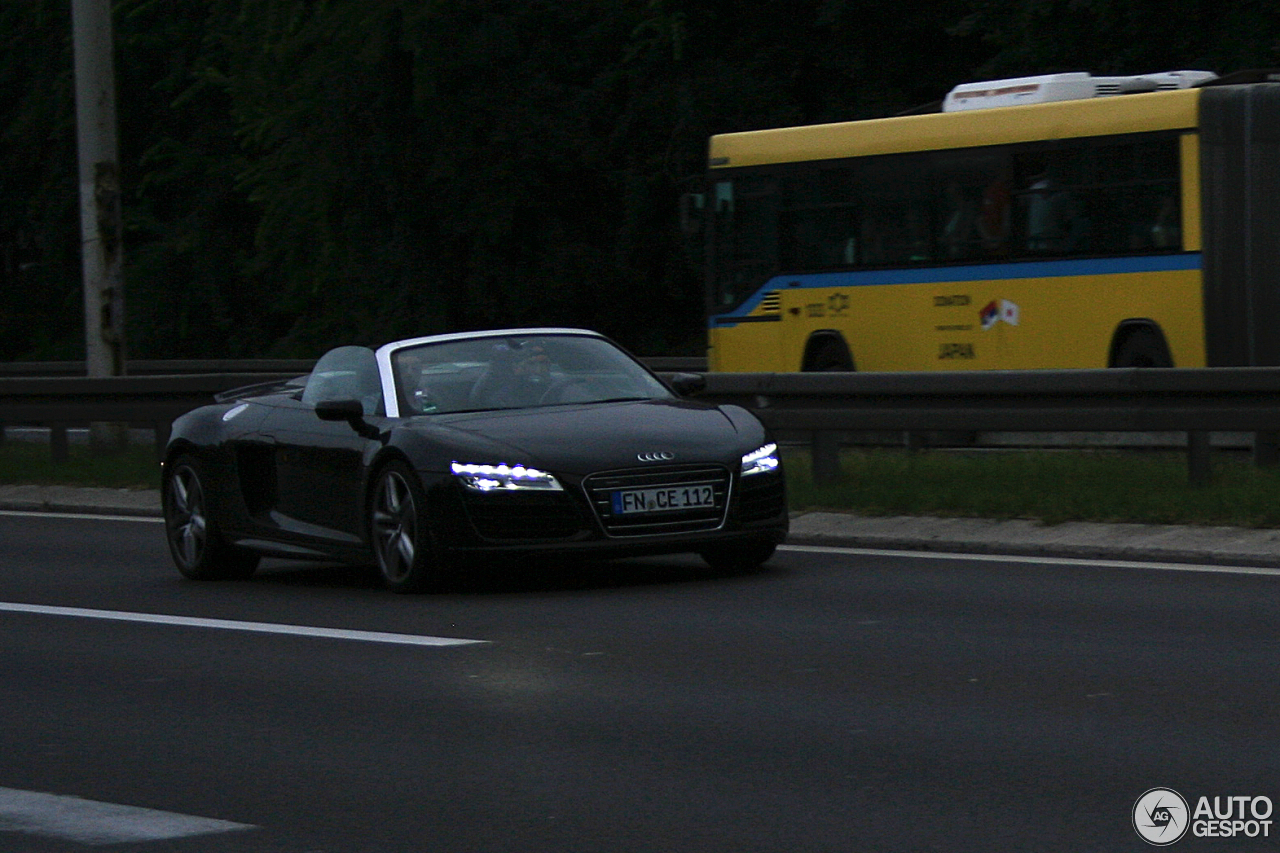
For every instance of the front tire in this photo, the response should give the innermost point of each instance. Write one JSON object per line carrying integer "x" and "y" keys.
{"x": 195, "y": 542}
{"x": 398, "y": 532}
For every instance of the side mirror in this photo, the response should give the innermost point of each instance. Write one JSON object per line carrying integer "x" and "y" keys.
{"x": 685, "y": 384}
{"x": 340, "y": 410}
{"x": 351, "y": 411}
{"x": 692, "y": 207}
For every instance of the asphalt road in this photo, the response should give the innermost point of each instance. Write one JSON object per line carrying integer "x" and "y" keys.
{"x": 835, "y": 701}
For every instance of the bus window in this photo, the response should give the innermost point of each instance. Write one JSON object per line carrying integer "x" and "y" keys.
{"x": 1100, "y": 198}
{"x": 1137, "y": 202}
{"x": 961, "y": 206}
{"x": 897, "y": 220}
{"x": 975, "y": 197}
{"x": 1054, "y": 220}
{"x": 818, "y": 227}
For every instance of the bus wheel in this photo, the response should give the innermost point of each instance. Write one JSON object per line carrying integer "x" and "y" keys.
{"x": 1143, "y": 347}
{"x": 828, "y": 355}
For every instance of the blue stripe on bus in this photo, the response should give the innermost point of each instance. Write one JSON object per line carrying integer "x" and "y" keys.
{"x": 960, "y": 274}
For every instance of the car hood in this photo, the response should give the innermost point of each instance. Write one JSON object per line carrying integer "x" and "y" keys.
{"x": 605, "y": 436}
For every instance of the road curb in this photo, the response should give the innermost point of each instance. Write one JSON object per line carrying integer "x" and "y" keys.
{"x": 1066, "y": 552}
{"x": 78, "y": 509}
{"x": 1021, "y": 537}
{"x": 69, "y": 499}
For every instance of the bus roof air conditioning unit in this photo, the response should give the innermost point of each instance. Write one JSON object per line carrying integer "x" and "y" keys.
{"x": 1072, "y": 86}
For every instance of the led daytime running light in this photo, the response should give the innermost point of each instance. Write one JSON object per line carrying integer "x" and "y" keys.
{"x": 761, "y": 460}
{"x": 488, "y": 478}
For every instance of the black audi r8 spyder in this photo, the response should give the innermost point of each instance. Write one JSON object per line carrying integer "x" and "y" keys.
{"x": 430, "y": 455}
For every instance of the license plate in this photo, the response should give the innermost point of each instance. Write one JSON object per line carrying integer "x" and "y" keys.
{"x": 662, "y": 500}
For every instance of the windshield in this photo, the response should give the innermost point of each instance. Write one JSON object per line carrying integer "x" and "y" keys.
{"x": 514, "y": 372}
{"x": 744, "y": 239}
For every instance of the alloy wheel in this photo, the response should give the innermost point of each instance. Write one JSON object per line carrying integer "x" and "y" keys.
{"x": 188, "y": 528}
{"x": 395, "y": 527}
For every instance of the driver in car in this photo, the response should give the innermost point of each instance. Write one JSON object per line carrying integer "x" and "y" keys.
{"x": 517, "y": 378}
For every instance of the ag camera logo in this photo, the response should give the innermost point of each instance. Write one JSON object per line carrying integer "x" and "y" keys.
{"x": 1160, "y": 816}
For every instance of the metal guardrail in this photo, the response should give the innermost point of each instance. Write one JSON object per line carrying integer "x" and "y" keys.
{"x": 824, "y": 405}
{"x": 1245, "y": 398}
{"x": 283, "y": 366}
{"x": 1196, "y": 401}
{"x": 161, "y": 367}
{"x": 56, "y": 394}
{"x": 145, "y": 401}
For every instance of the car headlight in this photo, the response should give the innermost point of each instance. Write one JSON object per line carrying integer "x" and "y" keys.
{"x": 492, "y": 478}
{"x": 761, "y": 460}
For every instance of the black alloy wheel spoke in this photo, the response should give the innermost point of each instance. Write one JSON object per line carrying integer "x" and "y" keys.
{"x": 394, "y": 522}
{"x": 187, "y": 527}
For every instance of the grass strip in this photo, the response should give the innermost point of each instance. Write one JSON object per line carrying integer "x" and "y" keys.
{"x": 1051, "y": 486}
{"x": 31, "y": 462}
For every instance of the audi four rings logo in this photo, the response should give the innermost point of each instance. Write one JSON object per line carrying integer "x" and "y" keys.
{"x": 656, "y": 456}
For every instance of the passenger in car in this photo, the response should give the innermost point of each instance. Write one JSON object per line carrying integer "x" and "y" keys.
{"x": 515, "y": 378}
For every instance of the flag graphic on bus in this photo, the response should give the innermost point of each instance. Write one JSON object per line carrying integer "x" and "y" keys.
{"x": 997, "y": 311}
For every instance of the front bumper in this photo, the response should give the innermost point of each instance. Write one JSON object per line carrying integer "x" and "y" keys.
{"x": 579, "y": 520}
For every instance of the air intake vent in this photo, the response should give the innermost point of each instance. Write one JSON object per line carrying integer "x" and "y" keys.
{"x": 525, "y": 517}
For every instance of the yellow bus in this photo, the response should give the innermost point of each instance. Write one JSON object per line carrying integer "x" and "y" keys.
{"x": 1060, "y": 221}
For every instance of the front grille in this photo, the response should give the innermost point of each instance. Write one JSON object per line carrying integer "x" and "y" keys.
{"x": 601, "y": 488}
{"x": 510, "y": 517}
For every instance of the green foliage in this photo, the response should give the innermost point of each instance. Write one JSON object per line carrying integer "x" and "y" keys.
{"x": 190, "y": 229}
{"x": 301, "y": 172}
{"x": 1053, "y": 487}
{"x": 1124, "y": 36}
{"x": 25, "y": 462}
{"x": 40, "y": 296}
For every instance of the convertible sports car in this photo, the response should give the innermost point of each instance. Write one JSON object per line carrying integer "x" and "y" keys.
{"x": 434, "y": 454}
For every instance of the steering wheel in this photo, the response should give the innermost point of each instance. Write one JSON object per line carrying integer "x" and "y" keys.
{"x": 555, "y": 391}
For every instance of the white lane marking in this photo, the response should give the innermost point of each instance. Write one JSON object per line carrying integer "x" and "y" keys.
{"x": 233, "y": 625}
{"x": 1023, "y": 558}
{"x": 82, "y": 516}
{"x": 92, "y": 822}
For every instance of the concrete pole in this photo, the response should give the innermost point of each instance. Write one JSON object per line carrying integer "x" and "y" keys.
{"x": 100, "y": 221}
